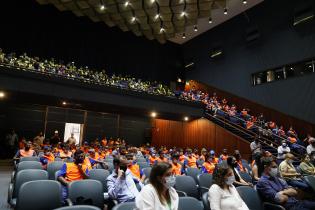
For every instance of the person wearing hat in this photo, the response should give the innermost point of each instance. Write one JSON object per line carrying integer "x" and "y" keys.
{"x": 215, "y": 160}
{"x": 48, "y": 157}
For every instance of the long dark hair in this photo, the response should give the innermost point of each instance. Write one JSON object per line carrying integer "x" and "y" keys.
{"x": 158, "y": 170}
{"x": 220, "y": 171}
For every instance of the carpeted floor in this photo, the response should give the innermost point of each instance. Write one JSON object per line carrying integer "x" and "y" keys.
{"x": 5, "y": 176}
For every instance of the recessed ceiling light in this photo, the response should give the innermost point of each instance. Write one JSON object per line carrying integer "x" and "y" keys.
{"x": 183, "y": 13}
{"x": 162, "y": 30}
{"x": 64, "y": 103}
{"x": 102, "y": 7}
{"x": 184, "y": 36}
{"x": 210, "y": 20}
{"x": 127, "y": 3}
{"x": 195, "y": 28}
{"x": 133, "y": 19}
{"x": 225, "y": 11}
{"x": 244, "y": 2}
{"x": 2, "y": 94}
{"x": 153, "y": 114}
{"x": 186, "y": 118}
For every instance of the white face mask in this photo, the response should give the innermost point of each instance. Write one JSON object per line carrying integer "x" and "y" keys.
{"x": 273, "y": 172}
{"x": 230, "y": 180}
{"x": 169, "y": 181}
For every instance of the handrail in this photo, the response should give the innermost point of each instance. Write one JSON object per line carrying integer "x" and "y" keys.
{"x": 248, "y": 132}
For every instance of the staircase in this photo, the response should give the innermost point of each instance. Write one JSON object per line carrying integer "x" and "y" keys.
{"x": 268, "y": 144}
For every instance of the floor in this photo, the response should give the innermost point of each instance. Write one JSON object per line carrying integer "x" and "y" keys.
{"x": 5, "y": 176}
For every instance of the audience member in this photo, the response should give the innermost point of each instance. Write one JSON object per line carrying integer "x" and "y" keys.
{"x": 276, "y": 190}
{"x": 307, "y": 168}
{"x": 48, "y": 157}
{"x": 283, "y": 149}
{"x": 255, "y": 147}
{"x": 222, "y": 193}
{"x": 39, "y": 139}
{"x": 208, "y": 166}
{"x": 311, "y": 147}
{"x": 55, "y": 139}
{"x": 120, "y": 184}
{"x": 159, "y": 193}
{"x": 177, "y": 168}
{"x": 27, "y": 151}
{"x": 231, "y": 162}
{"x": 289, "y": 173}
{"x": 71, "y": 140}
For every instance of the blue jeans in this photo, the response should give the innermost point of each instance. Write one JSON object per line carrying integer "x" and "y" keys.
{"x": 303, "y": 205}
{"x": 299, "y": 184}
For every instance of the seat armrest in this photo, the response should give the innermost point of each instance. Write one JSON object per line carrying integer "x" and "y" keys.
{"x": 69, "y": 202}
{"x": 12, "y": 177}
{"x": 10, "y": 193}
{"x": 202, "y": 190}
{"x": 271, "y": 206}
{"x": 181, "y": 193}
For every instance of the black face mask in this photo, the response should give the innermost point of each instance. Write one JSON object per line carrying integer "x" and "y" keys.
{"x": 123, "y": 168}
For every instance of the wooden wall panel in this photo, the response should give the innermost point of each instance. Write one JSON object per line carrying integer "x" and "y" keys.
{"x": 196, "y": 134}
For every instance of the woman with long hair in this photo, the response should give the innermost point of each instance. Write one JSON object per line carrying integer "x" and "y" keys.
{"x": 159, "y": 194}
{"x": 222, "y": 194}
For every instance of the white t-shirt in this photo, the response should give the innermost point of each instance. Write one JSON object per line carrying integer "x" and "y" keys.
{"x": 310, "y": 149}
{"x": 282, "y": 149}
{"x": 148, "y": 199}
{"x": 221, "y": 199}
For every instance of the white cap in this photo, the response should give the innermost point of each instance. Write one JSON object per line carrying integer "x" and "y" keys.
{"x": 56, "y": 131}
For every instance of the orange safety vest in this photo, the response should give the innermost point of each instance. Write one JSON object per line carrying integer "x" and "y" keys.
{"x": 162, "y": 160}
{"x": 86, "y": 164}
{"x": 292, "y": 140}
{"x": 73, "y": 172}
{"x": 153, "y": 159}
{"x": 176, "y": 169}
{"x": 50, "y": 158}
{"x": 191, "y": 162}
{"x": 62, "y": 154}
{"x": 135, "y": 170}
{"x": 28, "y": 153}
{"x": 182, "y": 158}
{"x": 209, "y": 167}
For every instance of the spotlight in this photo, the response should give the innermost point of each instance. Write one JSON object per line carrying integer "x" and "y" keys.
{"x": 153, "y": 114}
{"x": 127, "y": 3}
{"x": 184, "y": 36}
{"x": 102, "y": 7}
{"x": 157, "y": 16}
{"x": 210, "y": 20}
{"x": 133, "y": 19}
{"x": 162, "y": 30}
{"x": 64, "y": 103}
{"x": 179, "y": 80}
{"x": 2, "y": 94}
{"x": 186, "y": 118}
{"x": 244, "y": 2}
{"x": 183, "y": 14}
{"x": 195, "y": 28}
{"x": 225, "y": 11}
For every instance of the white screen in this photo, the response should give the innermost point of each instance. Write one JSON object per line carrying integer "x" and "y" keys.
{"x": 75, "y": 129}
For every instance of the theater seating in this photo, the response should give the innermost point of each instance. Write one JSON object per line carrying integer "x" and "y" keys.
{"x": 79, "y": 207}
{"x": 89, "y": 190}
{"x": 52, "y": 168}
{"x": 39, "y": 195}
{"x": 33, "y": 158}
{"x": 147, "y": 171}
{"x": 189, "y": 203}
{"x": 205, "y": 201}
{"x": 21, "y": 178}
{"x": 311, "y": 181}
{"x": 186, "y": 186}
{"x": 193, "y": 172}
{"x": 204, "y": 182}
{"x": 125, "y": 206}
{"x": 251, "y": 197}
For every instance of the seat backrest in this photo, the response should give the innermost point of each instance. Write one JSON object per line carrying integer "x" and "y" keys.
{"x": 189, "y": 203}
{"x": 52, "y": 168}
{"x": 143, "y": 165}
{"x": 32, "y": 158}
{"x": 100, "y": 175}
{"x": 204, "y": 180}
{"x": 250, "y": 197}
{"x": 246, "y": 177}
{"x": 187, "y": 184}
{"x": 193, "y": 172}
{"x": 29, "y": 165}
{"x": 311, "y": 181}
{"x": 205, "y": 201}
{"x": 38, "y": 195}
{"x": 26, "y": 176}
{"x": 89, "y": 190}
{"x": 79, "y": 207}
{"x": 147, "y": 171}
{"x": 125, "y": 206}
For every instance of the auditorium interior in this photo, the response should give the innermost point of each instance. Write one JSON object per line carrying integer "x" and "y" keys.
{"x": 157, "y": 105}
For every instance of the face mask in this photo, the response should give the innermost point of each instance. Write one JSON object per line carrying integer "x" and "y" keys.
{"x": 273, "y": 172}
{"x": 290, "y": 161}
{"x": 170, "y": 182}
{"x": 230, "y": 180}
{"x": 284, "y": 144}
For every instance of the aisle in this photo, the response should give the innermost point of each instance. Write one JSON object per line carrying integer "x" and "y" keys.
{"x": 5, "y": 175}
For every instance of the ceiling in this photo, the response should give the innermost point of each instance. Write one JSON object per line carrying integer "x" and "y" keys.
{"x": 156, "y": 19}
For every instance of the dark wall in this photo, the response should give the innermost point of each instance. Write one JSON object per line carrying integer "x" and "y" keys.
{"x": 280, "y": 44}
{"x": 29, "y": 120}
{"x": 42, "y": 30}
